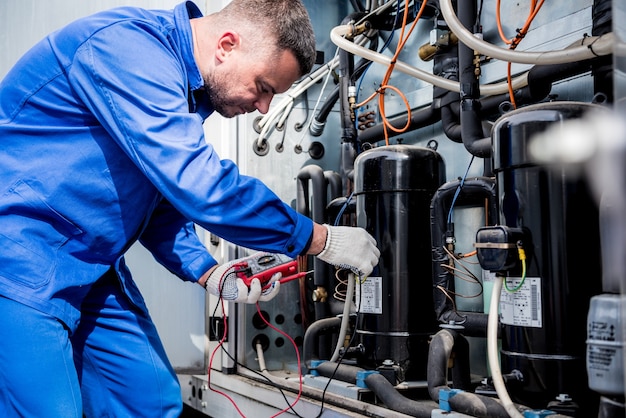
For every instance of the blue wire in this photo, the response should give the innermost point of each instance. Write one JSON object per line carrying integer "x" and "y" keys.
{"x": 343, "y": 209}
{"x": 458, "y": 191}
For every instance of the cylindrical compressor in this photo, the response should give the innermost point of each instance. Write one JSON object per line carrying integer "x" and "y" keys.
{"x": 544, "y": 318}
{"x": 394, "y": 186}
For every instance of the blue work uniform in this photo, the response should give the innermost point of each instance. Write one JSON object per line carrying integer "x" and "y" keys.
{"x": 101, "y": 145}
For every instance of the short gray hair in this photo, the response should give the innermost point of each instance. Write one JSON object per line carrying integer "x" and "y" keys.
{"x": 287, "y": 20}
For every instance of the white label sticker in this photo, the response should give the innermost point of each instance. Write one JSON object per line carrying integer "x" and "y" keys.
{"x": 523, "y": 306}
{"x": 369, "y": 295}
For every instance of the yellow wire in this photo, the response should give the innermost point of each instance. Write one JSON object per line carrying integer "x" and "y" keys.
{"x": 522, "y": 257}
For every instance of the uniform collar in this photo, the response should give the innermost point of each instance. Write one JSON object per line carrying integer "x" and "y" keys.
{"x": 182, "y": 13}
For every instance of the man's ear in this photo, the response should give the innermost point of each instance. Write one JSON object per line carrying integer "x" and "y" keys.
{"x": 226, "y": 44}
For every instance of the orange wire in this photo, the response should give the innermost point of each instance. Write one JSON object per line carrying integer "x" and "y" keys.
{"x": 514, "y": 42}
{"x": 499, "y": 24}
{"x": 385, "y": 82}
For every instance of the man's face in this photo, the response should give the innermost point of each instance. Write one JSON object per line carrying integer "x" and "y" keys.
{"x": 243, "y": 84}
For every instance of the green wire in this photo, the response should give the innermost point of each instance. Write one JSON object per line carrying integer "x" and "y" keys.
{"x": 522, "y": 258}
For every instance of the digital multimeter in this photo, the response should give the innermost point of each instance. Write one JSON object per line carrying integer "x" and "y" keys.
{"x": 263, "y": 266}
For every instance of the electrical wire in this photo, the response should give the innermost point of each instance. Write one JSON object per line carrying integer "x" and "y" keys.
{"x": 458, "y": 190}
{"x": 340, "y": 294}
{"x": 343, "y": 209}
{"x": 446, "y": 293}
{"x": 589, "y": 47}
{"x": 515, "y": 41}
{"x": 220, "y": 345}
{"x": 522, "y": 258}
{"x": 380, "y": 92}
{"x": 338, "y": 36}
{"x": 464, "y": 273}
{"x": 295, "y": 346}
{"x": 384, "y": 47}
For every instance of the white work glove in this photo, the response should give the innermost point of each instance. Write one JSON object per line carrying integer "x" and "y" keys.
{"x": 224, "y": 282}
{"x": 350, "y": 248}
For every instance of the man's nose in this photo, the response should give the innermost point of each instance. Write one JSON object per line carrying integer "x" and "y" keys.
{"x": 263, "y": 103}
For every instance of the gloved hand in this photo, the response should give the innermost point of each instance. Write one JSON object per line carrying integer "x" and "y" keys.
{"x": 224, "y": 281}
{"x": 351, "y": 248}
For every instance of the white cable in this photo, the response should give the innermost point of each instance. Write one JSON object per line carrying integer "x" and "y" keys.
{"x": 298, "y": 89}
{"x": 266, "y": 121}
{"x": 345, "y": 319}
{"x": 588, "y": 48}
{"x": 492, "y": 351}
{"x": 283, "y": 118}
{"x": 260, "y": 356}
{"x": 307, "y": 127}
{"x": 337, "y": 36}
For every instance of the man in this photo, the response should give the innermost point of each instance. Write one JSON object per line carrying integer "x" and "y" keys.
{"x": 101, "y": 144}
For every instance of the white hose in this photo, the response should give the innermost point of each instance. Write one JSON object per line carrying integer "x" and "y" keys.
{"x": 285, "y": 106}
{"x": 345, "y": 319}
{"x": 492, "y": 351}
{"x": 588, "y": 48}
{"x": 260, "y": 356}
{"x": 337, "y": 36}
{"x": 287, "y": 102}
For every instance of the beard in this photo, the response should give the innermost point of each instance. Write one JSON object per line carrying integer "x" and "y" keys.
{"x": 217, "y": 90}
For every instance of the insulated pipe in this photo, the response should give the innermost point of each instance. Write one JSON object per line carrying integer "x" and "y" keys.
{"x": 446, "y": 64}
{"x": 381, "y": 387}
{"x": 474, "y": 140}
{"x": 337, "y": 37}
{"x": 333, "y": 179}
{"x": 319, "y": 121}
{"x": 603, "y": 74}
{"x": 439, "y": 354}
{"x": 314, "y": 174}
{"x": 395, "y": 401}
{"x": 588, "y": 47}
{"x": 343, "y": 372}
{"x": 441, "y": 348}
{"x": 474, "y": 190}
{"x": 540, "y": 80}
{"x": 345, "y": 70}
{"x": 311, "y": 339}
{"x": 450, "y": 121}
{"x": 349, "y": 148}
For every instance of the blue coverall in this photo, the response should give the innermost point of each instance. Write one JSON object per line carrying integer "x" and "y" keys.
{"x": 102, "y": 144}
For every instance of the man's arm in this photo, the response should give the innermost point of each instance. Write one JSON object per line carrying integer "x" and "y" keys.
{"x": 173, "y": 242}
